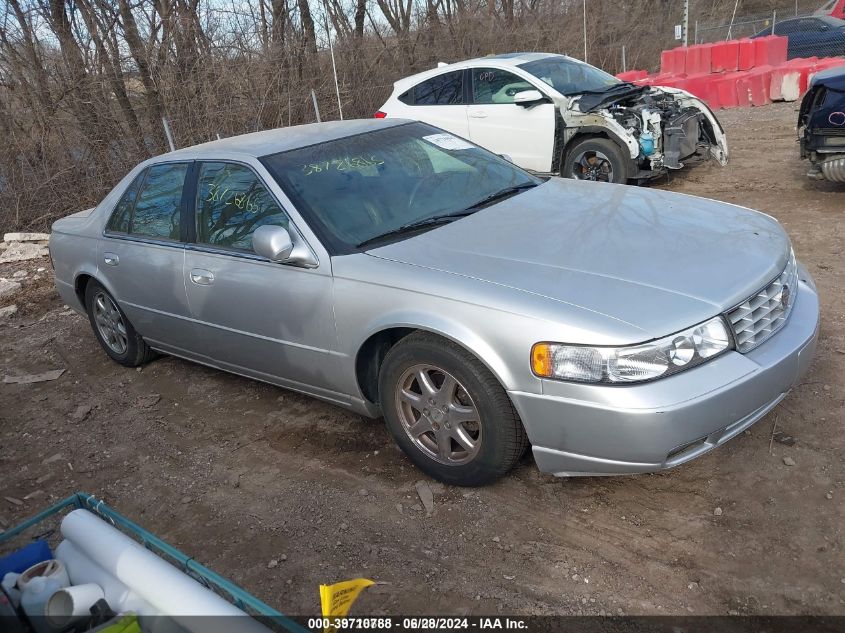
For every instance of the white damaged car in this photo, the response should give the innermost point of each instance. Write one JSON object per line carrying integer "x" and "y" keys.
{"x": 552, "y": 114}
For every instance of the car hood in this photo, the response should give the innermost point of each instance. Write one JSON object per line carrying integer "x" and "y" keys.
{"x": 656, "y": 260}
{"x": 589, "y": 102}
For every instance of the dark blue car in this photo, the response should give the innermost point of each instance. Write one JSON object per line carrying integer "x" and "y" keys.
{"x": 821, "y": 125}
{"x": 811, "y": 36}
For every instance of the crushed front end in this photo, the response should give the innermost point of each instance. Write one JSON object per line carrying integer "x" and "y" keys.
{"x": 821, "y": 125}
{"x": 662, "y": 128}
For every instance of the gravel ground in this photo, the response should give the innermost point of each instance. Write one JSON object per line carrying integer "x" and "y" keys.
{"x": 240, "y": 474}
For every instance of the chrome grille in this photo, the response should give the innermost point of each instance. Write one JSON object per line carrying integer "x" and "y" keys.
{"x": 760, "y": 316}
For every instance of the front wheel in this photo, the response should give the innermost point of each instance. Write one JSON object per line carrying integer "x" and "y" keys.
{"x": 448, "y": 413}
{"x": 597, "y": 159}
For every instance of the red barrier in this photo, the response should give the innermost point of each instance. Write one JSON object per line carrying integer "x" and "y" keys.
{"x": 829, "y": 62}
{"x": 707, "y": 58}
{"x": 679, "y": 60}
{"x": 703, "y": 87}
{"x": 753, "y": 87}
{"x": 666, "y": 60}
{"x": 735, "y": 73}
{"x": 632, "y": 75}
{"x": 746, "y": 54}
{"x": 726, "y": 92}
{"x": 770, "y": 50}
{"x": 778, "y": 49}
{"x": 693, "y": 66}
{"x": 784, "y": 84}
{"x": 725, "y": 57}
{"x": 805, "y": 67}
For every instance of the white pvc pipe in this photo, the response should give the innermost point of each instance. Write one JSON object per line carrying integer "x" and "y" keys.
{"x": 72, "y": 603}
{"x": 159, "y": 583}
{"x": 54, "y": 569}
{"x": 82, "y": 569}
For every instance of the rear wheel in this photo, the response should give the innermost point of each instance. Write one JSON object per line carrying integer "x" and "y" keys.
{"x": 598, "y": 159}
{"x": 448, "y": 412}
{"x": 113, "y": 330}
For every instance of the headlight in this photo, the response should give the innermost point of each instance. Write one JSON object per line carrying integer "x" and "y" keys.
{"x": 636, "y": 363}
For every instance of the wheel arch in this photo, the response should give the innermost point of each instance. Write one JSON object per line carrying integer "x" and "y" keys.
{"x": 597, "y": 131}
{"x": 371, "y": 351}
{"x": 80, "y": 284}
{"x": 85, "y": 276}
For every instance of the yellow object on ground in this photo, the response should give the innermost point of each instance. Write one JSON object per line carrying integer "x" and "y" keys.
{"x": 126, "y": 624}
{"x": 336, "y": 599}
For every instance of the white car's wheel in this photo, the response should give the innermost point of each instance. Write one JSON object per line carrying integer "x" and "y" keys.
{"x": 597, "y": 159}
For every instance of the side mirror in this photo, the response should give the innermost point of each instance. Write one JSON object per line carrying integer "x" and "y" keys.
{"x": 528, "y": 97}
{"x": 272, "y": 242}
{"x": 507, "y": 157}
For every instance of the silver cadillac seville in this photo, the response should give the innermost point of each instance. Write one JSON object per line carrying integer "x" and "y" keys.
{"x": 397, "y": 270}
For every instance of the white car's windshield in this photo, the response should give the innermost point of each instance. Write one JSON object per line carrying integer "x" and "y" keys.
{"x": 569, "y": 76}
{"x": 358, "y": 190}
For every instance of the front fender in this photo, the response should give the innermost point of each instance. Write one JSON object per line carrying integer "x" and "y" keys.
{"x": 451, "y": 329}
{"x": 597, "y": 124}
{"x": 720, "y": 150}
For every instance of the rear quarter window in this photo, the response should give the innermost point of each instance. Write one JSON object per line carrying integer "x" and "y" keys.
{"x": 445, "y": 89}
{"x": 122, "y": 214}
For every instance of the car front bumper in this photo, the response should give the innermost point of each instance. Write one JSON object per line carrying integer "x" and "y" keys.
{"x": 580, "y": 429}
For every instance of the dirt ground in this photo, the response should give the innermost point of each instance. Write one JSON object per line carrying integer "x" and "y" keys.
{"x": 239, "y": 474}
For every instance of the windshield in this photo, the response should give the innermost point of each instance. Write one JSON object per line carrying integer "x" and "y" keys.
{"x": 355, "y": 189}
{"x": 569, "y": 76}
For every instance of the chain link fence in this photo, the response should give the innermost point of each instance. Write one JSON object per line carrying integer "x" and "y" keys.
{"x": 810, "y": 33}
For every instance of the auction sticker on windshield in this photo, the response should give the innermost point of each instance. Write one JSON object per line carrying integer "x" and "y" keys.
{"x": 447, "y": 141}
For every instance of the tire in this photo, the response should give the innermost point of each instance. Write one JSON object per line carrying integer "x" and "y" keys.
{"x": 595, "y": 158}
{"x": 113, "y": 330}
{"x": 474, "y": 409}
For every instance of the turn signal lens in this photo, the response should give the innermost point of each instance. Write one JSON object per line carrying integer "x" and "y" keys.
{"x": 635, "y": 363}
{"x": 541, "y": 360}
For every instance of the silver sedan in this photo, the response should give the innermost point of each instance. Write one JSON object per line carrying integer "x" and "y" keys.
{"x": 397, "y": 270}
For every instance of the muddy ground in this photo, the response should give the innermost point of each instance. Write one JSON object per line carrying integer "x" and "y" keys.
{"x": 239, "y": 474}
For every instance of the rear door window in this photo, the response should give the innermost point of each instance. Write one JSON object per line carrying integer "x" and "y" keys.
{"x": 159, "y": 205}
{"x": 232, "y": 202}
{"x": 445, "y": 89}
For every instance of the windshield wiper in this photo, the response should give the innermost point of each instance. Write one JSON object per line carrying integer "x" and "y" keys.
{"x": 500, "y": 195}
{"x": 434, "y": 220}
{"x": 444, "y": 218}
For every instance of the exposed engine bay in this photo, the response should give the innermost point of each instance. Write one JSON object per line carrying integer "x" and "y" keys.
{"x": 663, "y": 128}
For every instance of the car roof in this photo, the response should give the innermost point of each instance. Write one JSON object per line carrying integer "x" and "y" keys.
{"x": 832, "y": 78}
{"x": 830, "y": 19}
{"x": 503, "y": 60}
{"x": 267, "y": 142}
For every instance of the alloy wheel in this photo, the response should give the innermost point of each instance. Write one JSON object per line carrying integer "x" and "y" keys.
{"x": 438, "y": 415}
{"x": 110, "y": 323}
{"x": 592, "y": 165}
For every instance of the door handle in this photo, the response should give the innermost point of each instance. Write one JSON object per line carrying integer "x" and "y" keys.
{"x": 202, "y": 277}
{"x": 110, "y": 259}
{"x": 479, "y": 114}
